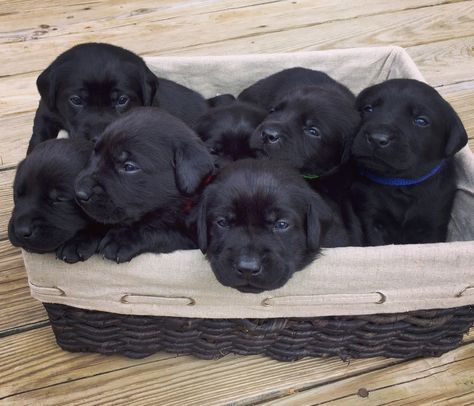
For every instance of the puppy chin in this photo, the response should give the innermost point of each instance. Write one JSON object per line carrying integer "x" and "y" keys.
{"x": 227, "y": 277}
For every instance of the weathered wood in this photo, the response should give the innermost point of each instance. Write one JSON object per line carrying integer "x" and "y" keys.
{"x": 246, "y": 30}
{"x": 6, "y": 200}
{"x": 19, "y": 309}
{"x": 445, "y": 380}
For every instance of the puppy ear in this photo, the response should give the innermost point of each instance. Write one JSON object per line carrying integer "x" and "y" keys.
{"x": 46, "y": 85}
{"x": 193, "y": 163}
{"x": 149, "y": 86}
{"x": 221, "y": 100}
{"x": 201, "y": 224}
{"x": 456, "y": 136}
{"x": 318, "y": 220}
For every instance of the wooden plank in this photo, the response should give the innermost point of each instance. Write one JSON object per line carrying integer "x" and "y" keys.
{"x": 19, "y": 309}
{"x": 34, "y": 368}
{"x": 445, "y": 62}
{"x": 6, "y": 200}
{"x": 33, "y": 360}
{"x": 246, "y": 30}
{"x": 448, "y": 380}
{"x": 15, "y": 141}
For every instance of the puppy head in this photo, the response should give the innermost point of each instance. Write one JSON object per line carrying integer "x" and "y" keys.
{"x": 145, "y": 161}
{"x": 45, "y": 214}
{"x": 226, "y": 130}
{"x": 407, "y": 128}
{"x": 311, "y": 128}
{"x": 91, "y": 84}
{"x": 258, "y": 223}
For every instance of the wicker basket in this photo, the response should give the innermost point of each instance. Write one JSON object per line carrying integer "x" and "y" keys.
{"x": 400, "y": 335}
{"x": 351, "y": 302}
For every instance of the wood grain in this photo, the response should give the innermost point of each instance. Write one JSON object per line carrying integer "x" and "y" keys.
{"x": 19, "y": 309}
{"x": 431, "y": 381}
{"x": 6, "y": 201}
{"x": 247, "y": 30}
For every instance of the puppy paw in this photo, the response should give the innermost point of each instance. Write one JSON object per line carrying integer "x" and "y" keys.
{"x": 78, "y": 248}
{"x": 119, "y": 245}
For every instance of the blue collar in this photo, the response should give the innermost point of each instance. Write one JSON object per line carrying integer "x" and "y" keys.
{"x": 383, "y": 180}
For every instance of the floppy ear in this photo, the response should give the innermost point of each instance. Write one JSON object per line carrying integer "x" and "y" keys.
{"x": 193, "y": 163}
{"x": 149, "y": 86}
{"x": 201, "y": 224}
{"x": 46, "y": 84}
{"x": 318, "y": 219}
{"x": 221, "y": 100}
{"x": 456, "y": 137}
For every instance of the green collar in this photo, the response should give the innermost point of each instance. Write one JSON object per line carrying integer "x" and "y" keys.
{"x": 311, "y": 177}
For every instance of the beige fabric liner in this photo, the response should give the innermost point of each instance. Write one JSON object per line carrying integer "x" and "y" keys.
{"x": 343, "y": 281}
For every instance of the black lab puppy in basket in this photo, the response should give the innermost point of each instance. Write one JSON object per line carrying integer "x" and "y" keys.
{"x": 90, "y": 85}
{"x": 259, "y": 222}
{"x": 141, "y": 178}
{"x": 404, "y": 150}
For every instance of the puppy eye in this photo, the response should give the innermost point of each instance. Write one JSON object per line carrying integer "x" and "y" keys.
{"x": 421, "y": 121}
{"x": 130, "y": 167}
{"x": 213, "y": 151}
{"x": 272, "y": 110}
{"x": 223, "y": 223}
{"x": 312, "y": 131}
{"x": 76, "y": 101}
{"x": 122, "y": 101}
{"x": 61, "y": 199}
{"x": 280, "y": 225}
{"x": 368, "y": 108}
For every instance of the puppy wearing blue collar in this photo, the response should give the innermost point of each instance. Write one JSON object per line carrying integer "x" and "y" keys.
{"x": 404, "y": 150}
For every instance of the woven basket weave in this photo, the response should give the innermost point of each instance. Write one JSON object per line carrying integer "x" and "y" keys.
{"x": 402, "y": 335}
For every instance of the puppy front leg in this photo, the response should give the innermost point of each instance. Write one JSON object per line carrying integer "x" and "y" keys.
{"x": 80, "y": 247}
{"x": 45, "y": 126}
{"x": 123, "y": 243}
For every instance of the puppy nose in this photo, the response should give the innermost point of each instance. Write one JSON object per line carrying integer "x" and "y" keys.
{"x": 23, "y": 230}
{"x": 83, "y": 195}
{"x": 270, "y": 135}
{"x": 379, "y": 139}
{"x": 249, "y": 266}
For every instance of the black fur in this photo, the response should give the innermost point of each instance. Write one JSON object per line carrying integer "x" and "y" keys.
{"x": 90, "y": 85}
{"x": 226, "y": 130}
{"x": 268, "y": 91}
{"x": 144, "y": 170}
{"x": 45, "y": 217}
{"x": 407, "y": 129}
{"x": 259, "y": 222}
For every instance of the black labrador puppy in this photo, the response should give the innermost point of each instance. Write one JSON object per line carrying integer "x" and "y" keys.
{"x": 258, "y": 222}
{"x": 404, "y": 149}
{"x": 45, "y": 216}
{"x": 141, "y": 178}
{"x": 311, "y": 125}
{"x": 226, "y": 130}
{"x": 92, "y": 84}
{"x": 267, "y": 91}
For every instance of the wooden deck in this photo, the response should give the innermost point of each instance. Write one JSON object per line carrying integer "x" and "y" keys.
{"x": 439, "y": 36}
